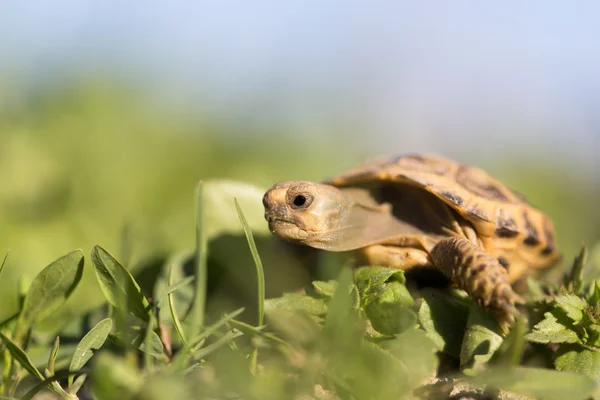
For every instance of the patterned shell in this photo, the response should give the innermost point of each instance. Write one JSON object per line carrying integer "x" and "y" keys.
{"x": 502, "y": 218}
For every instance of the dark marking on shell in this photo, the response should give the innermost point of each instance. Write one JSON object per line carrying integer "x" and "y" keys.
{"x": 506, "y": 227}
{"x": 480, "y": 183}
{"x": 418, "y": 163}
{"x": 504, "y": 232}
{"x": 476, "y": 212}
{"x": 451, "y": 197}
{"x": 532, "y": 237}
{"x": 494, "y": 192}
{"x": 403, "y": 177}
{"x": 504, "y": 262}
{"x": 549, "y": 235}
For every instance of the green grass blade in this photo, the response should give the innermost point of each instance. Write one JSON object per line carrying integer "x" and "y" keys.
{"x": 4, "y": 261}
{"x": 260, "y": 277}
{"x": 197, "y": 342}
{"x": 203, "y": 352}
{"x": 260, "y": 274}
{"x": 173, "y": 287}
{"x": 197, "y": 312}
{"x": 171, "y": 300}
{"x": 253, "y": 330}
{"x": 576, "y": 273}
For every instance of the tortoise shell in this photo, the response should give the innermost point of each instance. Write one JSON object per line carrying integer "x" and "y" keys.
{"x": 509, "y": 227}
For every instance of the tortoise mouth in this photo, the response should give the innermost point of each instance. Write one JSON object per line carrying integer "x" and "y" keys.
{"x": 276, "y": 223}
{"x": 286, "y": 229}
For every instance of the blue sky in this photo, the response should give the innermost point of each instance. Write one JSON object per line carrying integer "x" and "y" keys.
{"x": 411, "y": 73}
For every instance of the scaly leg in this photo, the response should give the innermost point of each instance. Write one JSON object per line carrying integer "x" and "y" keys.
{"x": 480, "y": 275}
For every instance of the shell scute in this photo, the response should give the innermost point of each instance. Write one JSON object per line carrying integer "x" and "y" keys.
{"x": 494, "y": 210}
{"x": 506, "y": 226}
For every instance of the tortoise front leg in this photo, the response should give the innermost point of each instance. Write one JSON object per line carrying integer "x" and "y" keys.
{"x": 480, "y": 275}
{"x": 394, "y": 256}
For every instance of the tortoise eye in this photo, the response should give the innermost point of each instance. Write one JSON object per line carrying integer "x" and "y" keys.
{"x": 301, "y": 201}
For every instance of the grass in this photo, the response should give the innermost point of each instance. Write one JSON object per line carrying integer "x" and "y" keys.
{"x": 368, "y": 334}
{"x": 139, "y": 314}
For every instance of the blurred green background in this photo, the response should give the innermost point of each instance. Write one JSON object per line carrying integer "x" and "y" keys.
{"x": 93, "y": 163}
{"x": 110, "y": 116}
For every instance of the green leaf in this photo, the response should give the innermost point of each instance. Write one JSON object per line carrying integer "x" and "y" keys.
{"x": 50, "y": 289}
{"x": 576, "y": 358}
{"x": 154, "y": 346}
{"x": 386, "y": 301}
{"x": 118, "y": 285}
{"x": 48, "y": 383}
{"x": 573, "y": 306}
{"x": 575, "y": 277}
{"x": 53, "y": 355}
{"x": 512, "y": 348}
{"x": 369, "y": 279}
{"x": 539, "y": 383}
{"x": 220, "y": 211}
{"x": 91, "y": 342}
{"x": 74, "y": 388}
{"x": 325, "y": 288}
{"x": 594, "y": 298}
{"x": 390, "y": 312}
{"x": 114, "y": 378}
{"x": 297, "y": 302}
{"x": 293, "y": 326}
{"x": 481, "y": 340}
{"x": 341, "y": 328}
{"x": 148, "y": 344}
{"x": 162, "y": 387}
{"x": 534, "y": 289}
{"x": 21, "y": 357}
{"x": 137, "y": 339}
{"x": 593, "y": 331}
{"x": 417, "y": 352}
{"x": 391, "y": 369}
{"x": 549, "y": 330}
{"x": 444, "y": 318}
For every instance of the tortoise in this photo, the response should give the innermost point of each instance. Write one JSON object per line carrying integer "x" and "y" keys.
{"x": 422, "y": 210}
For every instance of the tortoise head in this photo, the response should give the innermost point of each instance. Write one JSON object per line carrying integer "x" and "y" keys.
{"x": 330, "y": 218}
{"x": 307, "y": 212}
